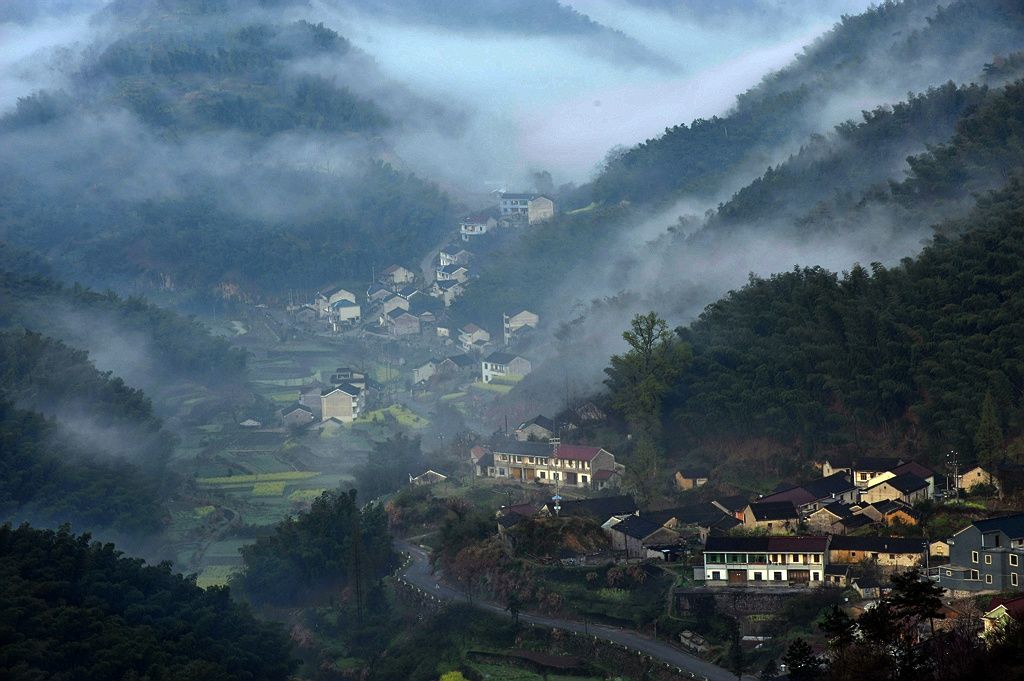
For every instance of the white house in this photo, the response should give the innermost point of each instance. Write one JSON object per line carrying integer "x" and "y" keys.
{"x": 478, "y": 224}
{"x": 503, "y": 364}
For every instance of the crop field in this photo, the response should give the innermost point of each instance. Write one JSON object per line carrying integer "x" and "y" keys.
{"x": 249, "y": 480}
{"x": 269, "y": 489}
{"x": 400, "y": 414}
{"x": 215, "y": 575}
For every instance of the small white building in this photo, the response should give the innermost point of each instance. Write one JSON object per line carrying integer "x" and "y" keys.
{"x": 503, "y": 364}
{"x": 518, "y": 321}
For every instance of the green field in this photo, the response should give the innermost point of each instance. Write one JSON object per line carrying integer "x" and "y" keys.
{"x": 500, "y": 388}
{"x": 243, "y": 480}
{"x": 400, "y": 414}
{"x": 215, "y": 575}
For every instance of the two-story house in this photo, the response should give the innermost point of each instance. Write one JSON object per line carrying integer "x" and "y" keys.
{"x": 525, "y": 208}
{"x": 397, "y": 276}
{"x": 472, "y": 336}
{"x": 453, "y": 254}
{"x": 327, "y": 297}
{"x": 986, "y": 556}
{"x": 504, "y": 365}
{"x": 774, "y": 517}
{"x": 920, "y": 470}
{"x": 866, "y": 468}
{"x": 905, "y": 487}
{"x": 453, "y": 272}
{"x": 552, "y": 464}
{"x": 765, "y": 561}
{"x": 342, "y": 402}
{"x": 514, "y": 323}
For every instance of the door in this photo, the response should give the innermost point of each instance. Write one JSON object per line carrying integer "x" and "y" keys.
{"x": 800, "y": 576}
{"x": 737, "y": 576}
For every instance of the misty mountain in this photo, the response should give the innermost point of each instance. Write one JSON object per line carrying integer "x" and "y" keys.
{"x": 98, "y": 409}
{"x": 882, "y": 53}
{"x": 875, "y": 359}
{"x": 516, "y": 17}
{"x": 148, "y": 346}
{"x": 201, "y": 147}
{"x": 49, "y": 477}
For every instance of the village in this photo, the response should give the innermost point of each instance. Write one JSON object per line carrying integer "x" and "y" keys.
{"x": 562, "y": 508}
{"x": 409, "y": 311}
{"x": 837, "y": 539}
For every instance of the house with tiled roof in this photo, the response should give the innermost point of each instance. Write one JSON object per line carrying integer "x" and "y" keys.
{"x": 890, "y": 553}
{"x": 479, "y": 223}
{"x": 538, "y": 428}
{"x": 517, "y": 208}
{"x": 765, "y": 561}
{"x": 773, "y": 517}
{"x": 691, "y": 477}
{"x": 396, "y": 275}
{"x": 342, "y": 402}
{"x": 906, "y": 487}
{"x": 553, "y": 463}
{"x": 811, "y": 496}
{"x": 634, "y": 534}
{"x": 297, "y": 415}
{"x": 504, "y": 365}
{"x": 599, "y": 509}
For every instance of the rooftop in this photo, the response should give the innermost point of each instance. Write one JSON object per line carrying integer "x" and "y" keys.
{"x": 906, "y": 483}
{"x": 876, "y": 463}
{"x": 822, "y": 488}
{"x": 599, "y": 508}
{"x": 501, "y": 358}
{"x": 636, "y": 527}
{"x": 773, "y": 510}
{"x": 504, "y": 446}
{"x": 767, "y": 544}
{"x": 879, "y": 544}
{"x": 1010, "y": 525}
{"x": 577, "y": 452}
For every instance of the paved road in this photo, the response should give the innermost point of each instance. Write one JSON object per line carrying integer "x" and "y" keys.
{"x": 418, "y": 573}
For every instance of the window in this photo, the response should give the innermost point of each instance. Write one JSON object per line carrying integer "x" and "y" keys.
{"x": 1014, "y": 559}
{"x": 714, "y": 574}
{"x": 815, "y": 577}
{"x": 757, "y": 576}
{"x": 817, "y": 558}
{"x": 583, "y": 478}
{"x": 988, "y": 579}
{"x": 1013, "y": 578}
{"x": 988, "y": 560}
{"x": 542, "y": 475}
{"x": 974, "y": 556}
{"x": 777, "y": 576}
{"x": 974, "y": 575}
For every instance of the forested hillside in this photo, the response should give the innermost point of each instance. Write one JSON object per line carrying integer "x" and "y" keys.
{"x": 45, "y": 375}
{"x": 335, "y": 546}
{"x": 240, "y": 168}
{"x": 73, "y": 610}
{"x": 177, "y": 346}
{"x": 832, "y": 172}
{"x": 876, "y": 359}
{"x": 48, "y": 477}
{"x": 890, "y": 49}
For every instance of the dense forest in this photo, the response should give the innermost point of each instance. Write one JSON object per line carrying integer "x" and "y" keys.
{"x": 241, "y": 170}
{"x": 48, "y": 477}
{"x": 78, "y": 610}
{"x": 335, "y": 546}
{"x": 888, "y": 359}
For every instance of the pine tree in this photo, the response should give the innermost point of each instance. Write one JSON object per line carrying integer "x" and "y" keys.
{"x": 988, "y": 439}
{"x": 801, "y": 664}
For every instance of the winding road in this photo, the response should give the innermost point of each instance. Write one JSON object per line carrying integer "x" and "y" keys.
{"x": 418, "y": 573}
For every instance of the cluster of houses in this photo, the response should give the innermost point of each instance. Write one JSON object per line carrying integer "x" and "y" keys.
{"x": 512, "y": 210}
{"x": 547, "y": 463}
